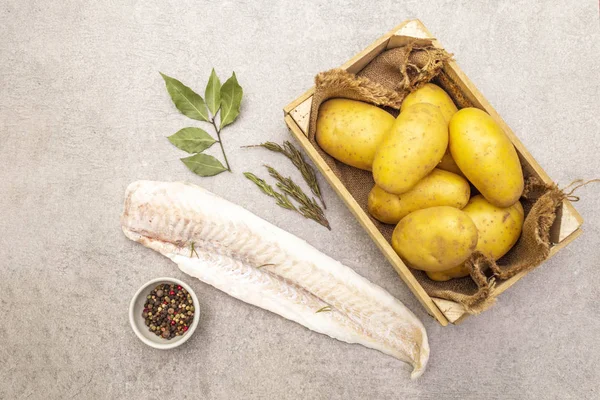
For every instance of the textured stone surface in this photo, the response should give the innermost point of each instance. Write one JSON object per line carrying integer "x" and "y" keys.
{"x": 83, "y": 112}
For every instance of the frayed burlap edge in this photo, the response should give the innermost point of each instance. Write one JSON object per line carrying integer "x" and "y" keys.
{"x": 416, "y": 65}
{"x": 479, "y": 300}
{"x": 340, "y": 80}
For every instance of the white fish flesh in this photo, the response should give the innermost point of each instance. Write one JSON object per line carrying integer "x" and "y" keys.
{"x": 235, "y": 251}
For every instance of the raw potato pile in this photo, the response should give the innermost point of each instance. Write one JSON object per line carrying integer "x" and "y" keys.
{"x": 424, "y": 163}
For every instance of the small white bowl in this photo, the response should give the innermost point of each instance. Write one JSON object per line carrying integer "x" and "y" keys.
{"x": 138, "y": 323}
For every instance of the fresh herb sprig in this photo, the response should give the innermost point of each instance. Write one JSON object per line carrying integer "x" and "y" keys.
{"x": 222, "y": 100}
{"x": 309, "y": 208}
{"x": 295, "y": 156}
{"x": 280, "y": 199}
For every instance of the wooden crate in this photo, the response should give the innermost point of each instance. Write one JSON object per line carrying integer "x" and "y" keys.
{"x": 568, "y": 221}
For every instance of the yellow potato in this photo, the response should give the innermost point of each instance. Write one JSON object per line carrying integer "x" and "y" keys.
{"x": 486, "y": 156}
{"x": 350, "y": 131}
{"x": 441, "y": 276}
{"x": 412, "y": 148}
{"x": 432, "y": 94}
{"x": 435, "y": 239}
{"x": 439, "y": 188}
{"x": 448, "y": 164}
{"x": 498, "y": 230}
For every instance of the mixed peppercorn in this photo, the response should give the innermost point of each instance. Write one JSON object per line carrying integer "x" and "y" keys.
{"x": 168, "y": 311}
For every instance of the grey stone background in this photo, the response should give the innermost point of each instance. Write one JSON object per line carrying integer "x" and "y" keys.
{"x": 84, "y": 112}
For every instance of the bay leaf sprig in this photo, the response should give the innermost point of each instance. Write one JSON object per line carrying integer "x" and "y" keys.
{"x": 222, "y": 101}
{"x": 295, "y": 156}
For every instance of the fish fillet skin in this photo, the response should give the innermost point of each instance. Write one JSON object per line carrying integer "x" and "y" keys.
{"x": 230, "y": 248}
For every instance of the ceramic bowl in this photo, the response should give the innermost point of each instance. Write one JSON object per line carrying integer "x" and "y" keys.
{"x": 138, "y": 324}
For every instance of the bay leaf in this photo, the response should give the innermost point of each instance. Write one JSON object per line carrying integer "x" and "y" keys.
{"x": 192, "y": 140}
{"x": 203, "y": 165}
{"x": 231, "y": 99}
{"x": 188, "y": 102}
{"x": 212, "y": 94}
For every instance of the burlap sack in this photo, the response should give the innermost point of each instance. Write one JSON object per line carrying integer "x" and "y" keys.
{"x": 385, "y": 82}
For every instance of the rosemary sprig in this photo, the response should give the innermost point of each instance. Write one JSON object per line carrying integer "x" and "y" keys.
{"x": 295, "y": 156}
{"x": 280, "y": 199}
{"x": 309, "y": 207}
{"x": 193, "y": 250}
{"x": 324, "y": 309}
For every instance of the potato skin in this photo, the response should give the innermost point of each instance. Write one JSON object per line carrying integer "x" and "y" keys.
{"x": 412, "y": 148}
{"x": 432, "y": 94}
{"x": 486, "y": 156}
{"x": 435, "y": 239}
{"x": 448, "y": 164}
{"x": 439, "y": 188}
{"x": 498, "y": 230}
{"x": 350, "y": 131}
{"x": 441, "y": 276}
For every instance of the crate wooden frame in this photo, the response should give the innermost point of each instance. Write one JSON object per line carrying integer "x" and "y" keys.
{"x": 296, "y": 114}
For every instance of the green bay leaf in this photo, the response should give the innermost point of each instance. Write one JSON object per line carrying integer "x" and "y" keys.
{"x": 231, "y": 99}
{"x": 192, "y": 140}
{"x": 212, "y": 94}
{"x": 203, "y": 165}
{"x": 188, "y": 102}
